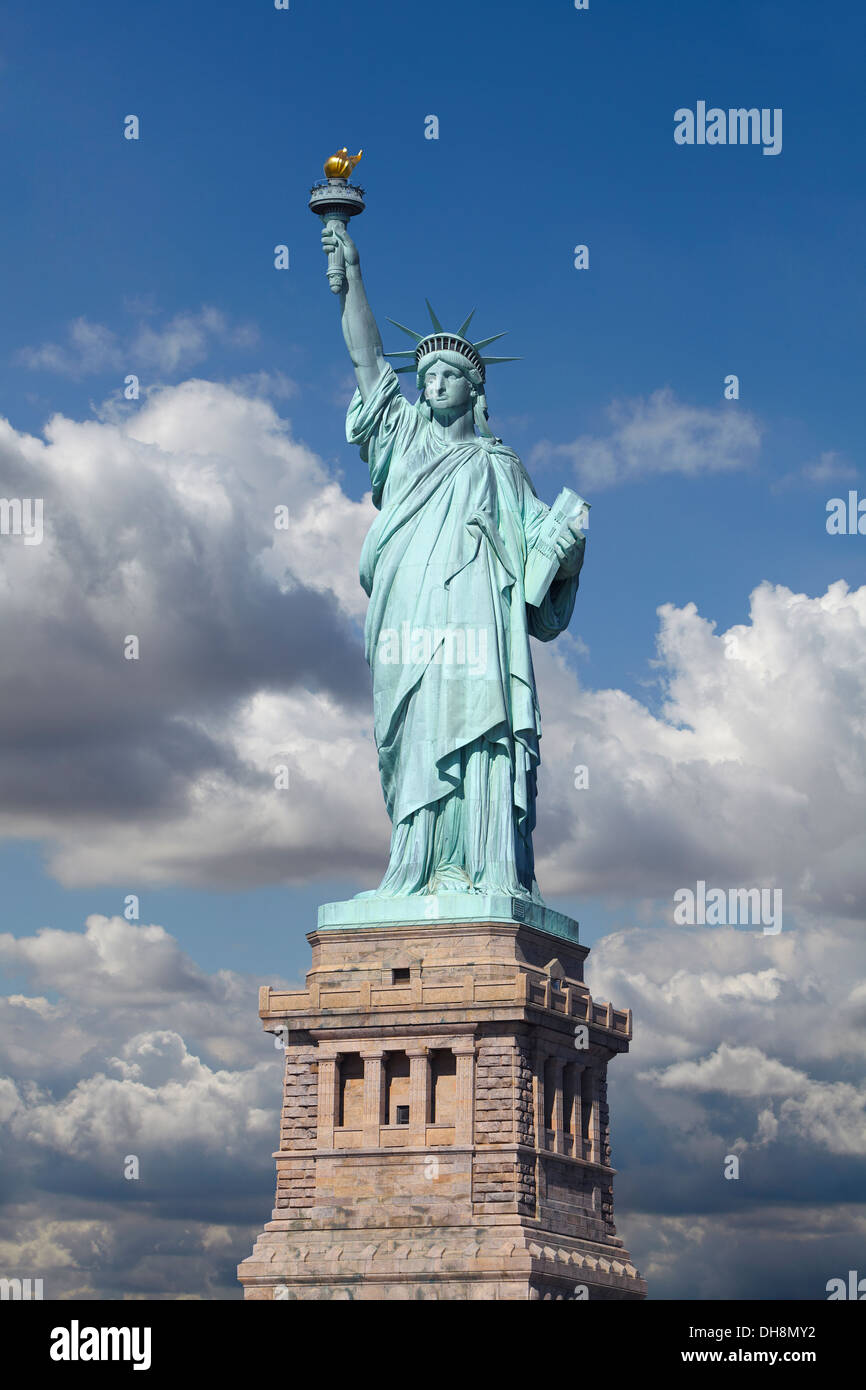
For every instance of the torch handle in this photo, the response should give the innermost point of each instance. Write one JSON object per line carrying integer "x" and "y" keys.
{"x": 336, "y": 261}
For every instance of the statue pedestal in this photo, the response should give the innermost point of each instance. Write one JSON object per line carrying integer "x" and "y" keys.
{"x": 444, "y": 1131}
{"x": 447, "y": 909}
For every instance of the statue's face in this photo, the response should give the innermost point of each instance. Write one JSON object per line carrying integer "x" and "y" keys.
{"x": 446, "y": 388}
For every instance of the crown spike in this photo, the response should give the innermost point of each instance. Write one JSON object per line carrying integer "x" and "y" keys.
{"x": 403, "y": 329}
{"x": 484, "y": 341}
{"x": 433, "y": 319}
{"x": 488, "y": 361}
{"x": 461, "y": 332}
{"x": 409, "y": 353}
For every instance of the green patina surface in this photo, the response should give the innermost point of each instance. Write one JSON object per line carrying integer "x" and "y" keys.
{"x": 446, "y": 909}
{"x": 456, "y": 713}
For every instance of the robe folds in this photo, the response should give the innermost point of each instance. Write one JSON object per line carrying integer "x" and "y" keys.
{"x": 456, "y": 716}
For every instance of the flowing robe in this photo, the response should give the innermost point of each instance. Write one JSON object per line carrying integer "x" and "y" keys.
{"x": 456, "y": 716}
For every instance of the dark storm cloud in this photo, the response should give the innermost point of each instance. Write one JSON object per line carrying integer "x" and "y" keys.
{"x": 164, "y": 543}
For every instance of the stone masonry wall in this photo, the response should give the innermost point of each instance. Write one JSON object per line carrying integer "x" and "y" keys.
{"x": 494, "y": 1092}
{"x": 493, "y": 1179}
{"x": 494, "y": 1174}
{"x": 296, "y": 1189}
{"x": 296, "y": 1179}
{"x": 524, "y": 1119}
{"x": 606, "y": 1193}
{"x": 524, "y": 1129}
{"x": 526, "y": 1195}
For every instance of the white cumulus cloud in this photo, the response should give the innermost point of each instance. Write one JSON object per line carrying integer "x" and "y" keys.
{"x": 659, "y": 435}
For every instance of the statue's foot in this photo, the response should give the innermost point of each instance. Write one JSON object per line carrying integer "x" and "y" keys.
{"x": 524, "y": 893}
{"x": 506, "y": 890}
{"x": 392, "y": 893}
{"x": 450, "y": 880}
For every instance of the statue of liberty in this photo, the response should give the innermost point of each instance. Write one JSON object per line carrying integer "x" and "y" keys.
{"x": 456, "y": 715}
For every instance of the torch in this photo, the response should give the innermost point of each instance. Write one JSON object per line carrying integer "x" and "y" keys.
{"x": 335, "y": 201}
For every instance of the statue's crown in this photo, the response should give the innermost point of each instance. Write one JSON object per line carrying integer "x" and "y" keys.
{"x": 442, "y": 341}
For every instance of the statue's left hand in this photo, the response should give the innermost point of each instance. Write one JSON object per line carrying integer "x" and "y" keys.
{"x": 570, "y": 551}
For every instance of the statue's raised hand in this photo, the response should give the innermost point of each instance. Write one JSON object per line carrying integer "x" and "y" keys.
{"x": 336, "y": 238}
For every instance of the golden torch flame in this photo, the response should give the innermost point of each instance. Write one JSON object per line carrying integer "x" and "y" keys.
{"x": 341, "y": 164}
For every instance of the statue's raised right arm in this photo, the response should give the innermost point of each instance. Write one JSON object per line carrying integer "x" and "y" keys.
{"x": 359, "y": 327}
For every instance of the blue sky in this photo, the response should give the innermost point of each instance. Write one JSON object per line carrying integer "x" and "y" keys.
{"x": 555, "y": 129}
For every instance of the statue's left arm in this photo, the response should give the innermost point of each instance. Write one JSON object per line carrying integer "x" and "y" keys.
{"x": 550, "y": 617}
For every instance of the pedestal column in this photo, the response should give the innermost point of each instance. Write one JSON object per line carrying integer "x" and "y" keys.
{"x": 557, "y": 1068}
{"x": 374, "y": 1097}
{"x": 327, "y": 1116}
{"x": 419, "y": 1094}
{"x": 464, "y": 1127}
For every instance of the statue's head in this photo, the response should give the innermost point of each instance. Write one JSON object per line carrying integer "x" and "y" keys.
{"x": 446, "y": 384}
{"x": 450, "y": 370}
{"x": 451, "y": 386}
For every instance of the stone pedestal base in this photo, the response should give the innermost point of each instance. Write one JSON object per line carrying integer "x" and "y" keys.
{"x": 461, "y": 1263}
{"x": 444, "y": 1130}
